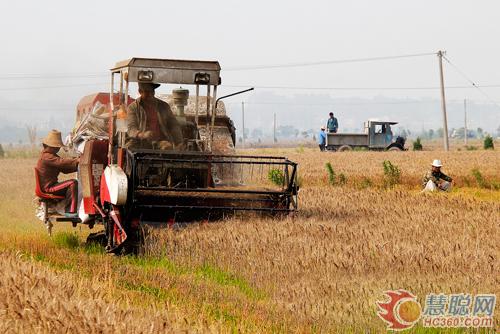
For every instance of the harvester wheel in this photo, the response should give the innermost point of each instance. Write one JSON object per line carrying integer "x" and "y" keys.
{"x": 345, "y": 148}
{"x": 97, "y": 238}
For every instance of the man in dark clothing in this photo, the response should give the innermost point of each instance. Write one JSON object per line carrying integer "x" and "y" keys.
{"x": 50, "y": 165}
{"x": 151, "y": 122}
{"x": 332, "y": 125}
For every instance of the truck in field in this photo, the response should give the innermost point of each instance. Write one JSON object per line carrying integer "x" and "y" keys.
{"x": 378, "y": 136}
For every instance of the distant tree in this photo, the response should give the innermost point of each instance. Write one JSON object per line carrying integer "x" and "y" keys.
{"x": 314, "y": 137}
{"x": 498, "y": 131}
{"x": 480, "y": 133}
{"x": 2, "y": 152}
{"x": 439, "y": 133}
{"x": 431, "y": 134}
{"x": 417, "y": 145}
{"x": 488, "y": 143}
{"x": 305, "y": 134}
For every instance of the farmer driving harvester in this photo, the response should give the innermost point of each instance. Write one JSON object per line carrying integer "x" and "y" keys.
{"x": 151, "y": 122}
{"x": 50, "y": 165}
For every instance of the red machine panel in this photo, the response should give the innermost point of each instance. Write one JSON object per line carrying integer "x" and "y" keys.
{"x": 92, "y": 164}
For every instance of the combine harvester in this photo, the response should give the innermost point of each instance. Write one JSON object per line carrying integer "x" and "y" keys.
{"x": 126, "y": 189}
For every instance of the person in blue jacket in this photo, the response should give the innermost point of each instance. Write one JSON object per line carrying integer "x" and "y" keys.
{"x": 332, "y": 125}
{"x": 322, "y": 139}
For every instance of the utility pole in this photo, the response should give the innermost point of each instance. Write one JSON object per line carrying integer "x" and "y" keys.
{"x": 465, "y": 121}
{"x": 274, "y": 128}
{"x": 443, "y": 101}
{"x": 243, "y": 122}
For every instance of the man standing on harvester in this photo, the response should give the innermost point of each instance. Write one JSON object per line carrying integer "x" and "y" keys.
{"x": 332, "y": 125}
{"x": 50, "y": 165}
{"x": 151, "y": 122}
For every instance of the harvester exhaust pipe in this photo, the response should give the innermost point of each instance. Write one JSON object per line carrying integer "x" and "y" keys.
{"x": 180, "y": 97}
{"x": 233, "y": 94}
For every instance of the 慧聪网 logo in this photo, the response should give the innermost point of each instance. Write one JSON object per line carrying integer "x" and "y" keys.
{"x": 401, "y": 310}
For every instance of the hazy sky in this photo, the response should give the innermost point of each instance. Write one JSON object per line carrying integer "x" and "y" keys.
{"x": 46, "y": 38}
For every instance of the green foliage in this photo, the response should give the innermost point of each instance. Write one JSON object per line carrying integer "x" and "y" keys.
{"x": 392, "y": 174}
{"x": 342, "y": 179}
{"x": 225, "y": 278}
{"x": 366, "y": 182}
{"x": 332, "y": 178}
{"x": 66, "y": 240}
{"x": 488, "y": 143}
{"x": 481, "y": 182}
{"x": 470, "y": 148}
{"x": 417, "y": 145}
{"x": 93, "y": 248}
{"x": 2, "y": 152}
{"x": 276, "y": 176}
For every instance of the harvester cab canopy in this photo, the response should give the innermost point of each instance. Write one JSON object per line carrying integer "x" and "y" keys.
{"x": 170, "y": 71}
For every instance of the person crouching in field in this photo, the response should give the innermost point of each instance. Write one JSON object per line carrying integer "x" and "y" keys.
{"x": 435, "y": 179}
{"x": 322, "y": 139}
{"x": 50, "y": 165}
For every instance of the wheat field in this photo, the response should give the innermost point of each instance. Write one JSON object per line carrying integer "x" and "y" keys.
{"x": 320, "y": 270}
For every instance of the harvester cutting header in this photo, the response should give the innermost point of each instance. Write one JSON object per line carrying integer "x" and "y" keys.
{"x": 151, "y": 161}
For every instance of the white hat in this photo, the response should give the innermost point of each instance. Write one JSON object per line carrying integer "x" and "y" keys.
{"x": 323, "y": 127}
{"x": 437, "y": 163}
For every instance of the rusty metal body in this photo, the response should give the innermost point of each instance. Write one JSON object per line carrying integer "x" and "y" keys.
{"x": 378, "y": 136}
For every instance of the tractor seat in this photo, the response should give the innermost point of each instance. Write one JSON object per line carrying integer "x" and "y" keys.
{"x": 40, "y": 193}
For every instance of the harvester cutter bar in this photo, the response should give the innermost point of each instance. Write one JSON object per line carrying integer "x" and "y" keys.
{"x": 208, "y": 208}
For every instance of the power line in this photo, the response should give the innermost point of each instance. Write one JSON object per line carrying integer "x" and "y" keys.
{"x": 51, "y": 76}
{"x": 326, "y": 62}
{"x": 359, "y": 88}
{"x": 51, "y": 87}
{"x": 340, "y": 104}
{"x": 331, "y": 104}
{"x": 473, "y": 84}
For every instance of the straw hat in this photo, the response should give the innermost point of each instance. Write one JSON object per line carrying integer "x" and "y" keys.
{"x": 53, "y": 139}
{"x": 437, "y": 163}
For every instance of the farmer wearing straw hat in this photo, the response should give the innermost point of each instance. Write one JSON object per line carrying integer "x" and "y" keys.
{"x": 50, "y": 165}
{"x": 151, "y": 122}
{"x": 435, "y": 179}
